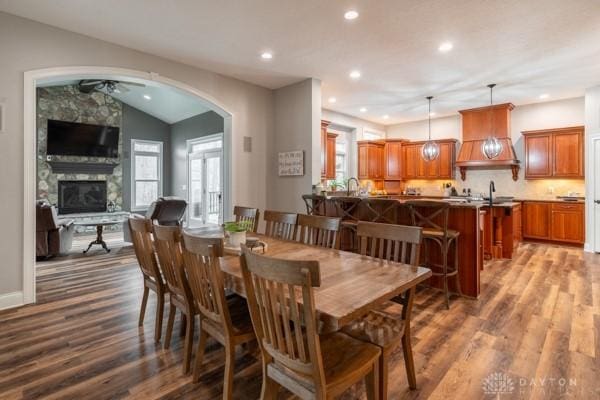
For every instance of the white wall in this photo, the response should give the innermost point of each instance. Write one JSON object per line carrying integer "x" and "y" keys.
{"x": 592, "y": 131}
{"x": 26, "y": 45}
{"x": 551, "y": 114}
{"x": 297, "y": 127}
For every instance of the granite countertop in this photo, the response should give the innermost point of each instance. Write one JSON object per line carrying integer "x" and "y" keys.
{"x": 402, "y": 199}
{"x": 578, "y": 201}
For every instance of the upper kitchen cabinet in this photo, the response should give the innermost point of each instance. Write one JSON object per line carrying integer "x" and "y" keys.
{"x": 417, "y": 168}
{"x": 554, "y": 153}
{"x": 330, "y": 156}
{"x": 393, "y": 159}
{"x": 371, "y": 159}
{"x": 324, "y": 125}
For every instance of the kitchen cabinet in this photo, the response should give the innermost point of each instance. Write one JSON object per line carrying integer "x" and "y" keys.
{"x": 415, "y": 167}
{"x": 324, "y": 125}
{"x": 371, "y": 160}
{"x": 536, "y": 220}
{"x": 393, "y": 159}
{"x": 554, "y": 153}
{"x": 568, "y": 222}
{"x": 330, "y": 163}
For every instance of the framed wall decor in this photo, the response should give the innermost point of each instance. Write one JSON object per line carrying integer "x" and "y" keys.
{"x": 291, "y": 163}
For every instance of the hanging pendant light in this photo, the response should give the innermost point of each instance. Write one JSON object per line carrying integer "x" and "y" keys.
{"x": 430, "y": 150}
{"x": 491, "y": 147}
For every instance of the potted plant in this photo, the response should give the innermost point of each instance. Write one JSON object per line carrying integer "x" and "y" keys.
{"x": 237, "y": 232}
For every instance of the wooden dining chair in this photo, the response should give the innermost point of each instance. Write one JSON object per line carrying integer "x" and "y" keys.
{"x": 248, "y": 215}
{"x": 280, "y": 225}
{"x": 398, "y": 243}
{"x": 141, "y": 236}
{"x": 318, "y": 231}
{"x": 167, "y": 241}
{"x": 294, "y": 355}
{"x": 226, "y": 319}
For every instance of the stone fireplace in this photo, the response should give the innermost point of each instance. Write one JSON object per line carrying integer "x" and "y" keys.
{"x": 81, "y": 196}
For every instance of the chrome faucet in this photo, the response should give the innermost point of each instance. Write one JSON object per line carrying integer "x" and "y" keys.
{"x": 348, "y": 185}
{"x": 492, "y": 189}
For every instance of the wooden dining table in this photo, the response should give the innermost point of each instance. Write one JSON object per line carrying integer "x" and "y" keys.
{"x": 351, "y": 284}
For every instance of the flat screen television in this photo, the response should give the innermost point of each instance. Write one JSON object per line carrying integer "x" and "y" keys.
{"x": 76, "y": 139}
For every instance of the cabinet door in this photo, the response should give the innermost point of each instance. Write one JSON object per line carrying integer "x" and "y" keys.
{"x": 330, "y": 157}
{"x": 375, "y": 159}
{"x": 537, "y": 156}
{"x": 422, "y": 165}
{"x": 517, "y": 218}
{"x": 568, "y": 223}
{"x": 324, "y": 148}
{"x": 536, "y": 220}
{"x": 393, "y": 160}
{"x": 568, "y": 154}
{"x": 410, "y": 161}
{"x": 363, "y": 162}
{"x": 446, "y": 161}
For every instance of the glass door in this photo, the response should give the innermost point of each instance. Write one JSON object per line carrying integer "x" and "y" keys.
{"x": 212, "y": 209}
{"x": 205, "y": 194}
{"x": 196, "y": 190}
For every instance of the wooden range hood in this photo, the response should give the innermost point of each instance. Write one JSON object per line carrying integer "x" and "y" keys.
{"x": 476, "y": 127}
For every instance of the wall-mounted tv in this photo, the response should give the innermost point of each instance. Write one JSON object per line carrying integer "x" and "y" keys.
{"x": 76, "y": 139}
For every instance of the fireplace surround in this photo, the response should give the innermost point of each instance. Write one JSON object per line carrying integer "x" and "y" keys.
{"x": 81, "y": 196}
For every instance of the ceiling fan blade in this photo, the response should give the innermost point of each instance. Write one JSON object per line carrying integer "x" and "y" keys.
{"x": 93, "y": 82}
{"x": 132, "y": 83}
{"x": 122, "y": 88}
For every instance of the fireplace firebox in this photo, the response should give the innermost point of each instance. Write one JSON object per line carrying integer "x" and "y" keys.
{"x": 81, "y": 196}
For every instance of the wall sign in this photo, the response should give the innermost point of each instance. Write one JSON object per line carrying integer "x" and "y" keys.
{"x": 291, "y": 163}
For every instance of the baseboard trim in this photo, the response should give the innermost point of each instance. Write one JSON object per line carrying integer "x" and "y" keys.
{"x": 11, "y": 300}
{"x": 587, "y": 248}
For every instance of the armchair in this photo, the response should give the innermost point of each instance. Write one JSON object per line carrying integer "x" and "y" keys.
{"x": 53, "y": 236}
{"x": 166, "y": 211}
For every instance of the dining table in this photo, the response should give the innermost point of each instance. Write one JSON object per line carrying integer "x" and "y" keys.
{"x": 351, "y": 284}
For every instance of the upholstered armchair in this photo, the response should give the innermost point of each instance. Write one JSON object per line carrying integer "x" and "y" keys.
{"x": 166, "y": 211}
{"x": 53, "y": 236}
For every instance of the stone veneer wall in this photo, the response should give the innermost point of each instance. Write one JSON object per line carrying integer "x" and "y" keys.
{"x": 66, "y": 103}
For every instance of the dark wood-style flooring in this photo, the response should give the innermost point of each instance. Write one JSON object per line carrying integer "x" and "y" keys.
{"x": 537, "y": 324}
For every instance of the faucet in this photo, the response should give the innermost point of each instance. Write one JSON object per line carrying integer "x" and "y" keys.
{"x": 348, "y": 185}
{"x": 492, "y": 189}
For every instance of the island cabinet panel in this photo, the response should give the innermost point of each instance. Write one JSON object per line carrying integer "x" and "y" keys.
{"x": 568, "y": 223}
{"x": 554, "y": 153}
{"x": 370, "y": 160}
{"x": 536, "y": 220}
{"x": 330, "y": 164}
{"x": 393, "y": 159}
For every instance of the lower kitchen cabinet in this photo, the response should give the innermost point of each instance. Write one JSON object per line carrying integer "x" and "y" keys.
{"x": 554, "y": 221}
{"x": 536, "y": 220}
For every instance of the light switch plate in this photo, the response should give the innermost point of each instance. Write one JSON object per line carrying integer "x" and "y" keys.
{"x": 247, "y": 144}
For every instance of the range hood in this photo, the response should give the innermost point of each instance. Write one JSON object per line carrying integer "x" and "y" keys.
{"x": 476, "y": 127}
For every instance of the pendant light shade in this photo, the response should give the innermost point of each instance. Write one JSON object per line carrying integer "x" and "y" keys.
{"x": 491, "y": 147}
{"x": 430, "y": 150}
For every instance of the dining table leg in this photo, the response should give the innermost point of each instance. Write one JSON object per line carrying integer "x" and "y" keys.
{"x": 406, "y": 340}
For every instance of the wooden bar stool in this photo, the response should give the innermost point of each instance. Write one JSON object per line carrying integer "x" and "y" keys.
{"x": 315, "y": 204}
{"x": 382, "y": 210}
{"x": 346, "y": 209}
{"x": 433, "y": 217}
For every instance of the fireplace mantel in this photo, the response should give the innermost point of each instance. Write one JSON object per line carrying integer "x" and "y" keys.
{"x": 70, "y": 167}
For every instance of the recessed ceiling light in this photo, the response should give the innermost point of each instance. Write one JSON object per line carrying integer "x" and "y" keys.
{"x": 267, "y": 55}
{"x": 147, "y": 97}
{"x": 386, "y": 116}
{"x": 445, "y": 47}
{"x": 332, "y": 100}
{"x": 355, "y": 74}
{"x": 363, "y": 109}
{"x": 351, "y": 14}
{"x": 431, "y": 114}
{"x": 544, "y": 96}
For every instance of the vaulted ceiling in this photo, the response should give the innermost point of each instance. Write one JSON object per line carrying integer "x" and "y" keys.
{"x": 528, "y": 48}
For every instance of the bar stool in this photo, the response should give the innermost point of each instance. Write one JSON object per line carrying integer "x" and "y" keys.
{"x": 315, "y": 204}
{"x": 433, "y": 217}
{"x": 346, "y": 209}
{"x": 382, "y": 210}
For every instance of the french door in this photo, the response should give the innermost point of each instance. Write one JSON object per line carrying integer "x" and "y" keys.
{"x": 205, "y": 182}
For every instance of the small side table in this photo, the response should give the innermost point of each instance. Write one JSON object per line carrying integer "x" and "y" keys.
{"x": 99, "y": 230}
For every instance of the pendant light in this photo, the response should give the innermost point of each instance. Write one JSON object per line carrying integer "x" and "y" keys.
{"x": 491, "y": 147}
{"x": 430, "y": 150}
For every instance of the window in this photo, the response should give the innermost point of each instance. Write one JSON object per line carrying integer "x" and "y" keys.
{"x": 341, "y": 164}
{"x": 146, "y": 172}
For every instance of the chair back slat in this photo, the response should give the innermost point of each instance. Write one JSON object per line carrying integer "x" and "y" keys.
{"x": 201, "y": 263}
{"x": 429, "y": 214}
{"x": 286, "y": 330}
{"x": 280, "y": 225}
{"x": 318, "y": 231}
{"x": 247, "y": 214}
{"x": 167, "y": 242}
{"x": 399, "y": 243}
{"x": 141, "y": 236}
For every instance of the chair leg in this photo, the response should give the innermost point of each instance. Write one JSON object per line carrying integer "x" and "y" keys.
{"x": 199, "y": 355}
{"x": 143, "y": 308}
{"x": 409, "y": 362}
{"x": 229, "y": 367}
{"x": 170, "y": 322}
{"x": 189, "y": 343}
{"x": 383, "y": 374}
{"x": 445, "y": 273}
{"x": 372, "y": 382}
{"x": 183, "y": 326}
{"x": 160, "y": 305}
{"x": 270, "y": 388}
{"x": 456, "y": 267}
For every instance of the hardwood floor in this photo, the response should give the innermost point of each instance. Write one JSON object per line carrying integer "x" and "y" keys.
{"x": 537, "y": 322}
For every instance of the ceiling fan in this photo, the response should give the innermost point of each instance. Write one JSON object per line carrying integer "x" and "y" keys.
{"x": 110, "y": 86}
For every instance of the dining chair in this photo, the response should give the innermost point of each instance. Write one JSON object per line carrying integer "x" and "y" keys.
{"x": 294, "y": 355}
{"x": 226, "y": 319}
{"x": 280, "y": 225}
{"x": 318, "y": 231}
{"x": 398, "y": 243}
{"x": 315, "y": 204}
{"x": 141, "y": 236}
{"x": 248, "y": 215}
{"x": 167, "y": 241}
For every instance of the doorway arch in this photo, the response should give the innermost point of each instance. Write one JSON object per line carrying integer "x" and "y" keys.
{"x": 40, "y": 76}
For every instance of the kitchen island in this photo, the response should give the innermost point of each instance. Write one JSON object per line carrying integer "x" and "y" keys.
{"x": 468, "y": 218}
